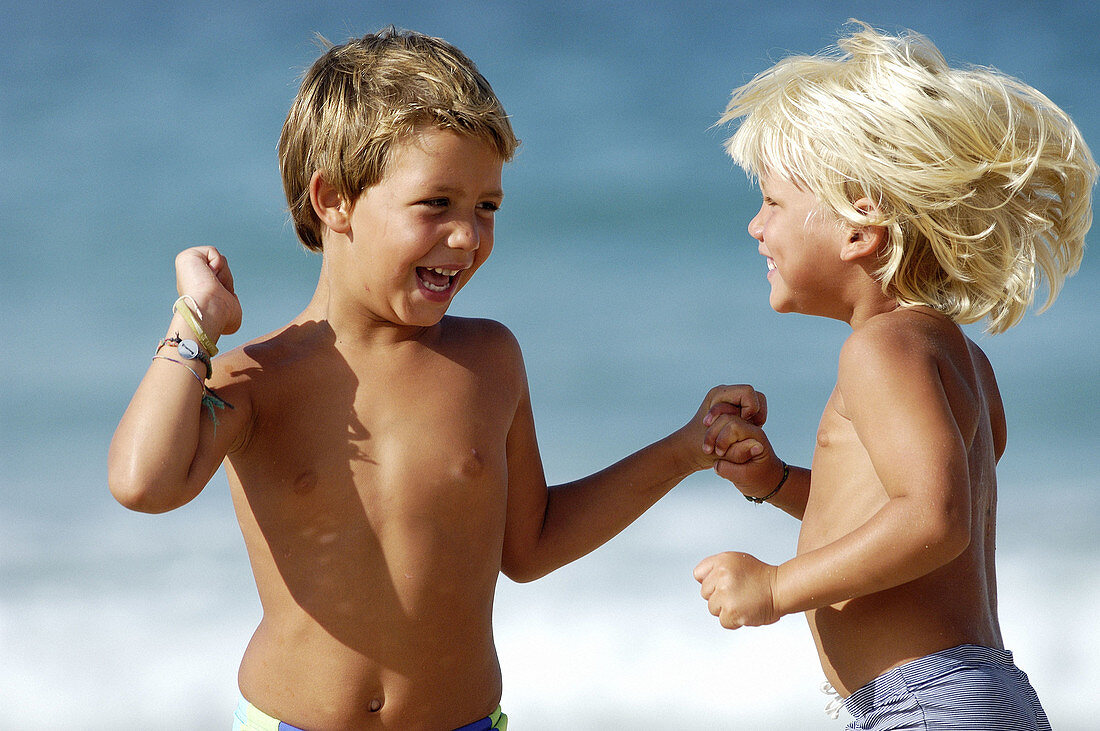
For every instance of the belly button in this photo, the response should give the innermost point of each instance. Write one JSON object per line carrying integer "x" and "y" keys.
{"x": 375, "y": 705}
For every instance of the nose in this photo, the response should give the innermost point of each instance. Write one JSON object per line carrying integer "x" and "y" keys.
{"x": 756, "y": 226}
{"x": 465, "y": 234}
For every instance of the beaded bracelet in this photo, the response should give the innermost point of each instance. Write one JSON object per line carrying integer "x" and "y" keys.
{"x": 770, "y": 495}
{"x": 193, "y": 322}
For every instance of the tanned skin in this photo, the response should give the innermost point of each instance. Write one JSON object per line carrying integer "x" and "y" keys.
{"x": 382, "y": 456}
{"x": 895, "y": 553}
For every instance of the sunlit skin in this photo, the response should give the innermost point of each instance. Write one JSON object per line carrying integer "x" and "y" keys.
{"x": 895, "y": 554}
{"x": 382, "y": 456}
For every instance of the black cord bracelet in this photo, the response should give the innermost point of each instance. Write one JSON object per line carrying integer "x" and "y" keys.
{"x": 770, "y": 495}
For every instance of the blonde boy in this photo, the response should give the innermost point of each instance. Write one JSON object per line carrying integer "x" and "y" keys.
{"x": 903, "y": 197}
{"x": 381, "y": 455}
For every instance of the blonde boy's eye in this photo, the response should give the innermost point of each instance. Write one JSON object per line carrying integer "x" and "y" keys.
{"x": 490, "y": 206}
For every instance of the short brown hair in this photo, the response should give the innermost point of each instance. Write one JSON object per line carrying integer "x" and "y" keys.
{"x": 361, "y": 97}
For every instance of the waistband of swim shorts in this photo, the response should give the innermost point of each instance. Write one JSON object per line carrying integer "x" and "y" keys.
{"x": 250, "y": 718}
{"x": 495, "y": 721}
{"x": 894, "y": 681}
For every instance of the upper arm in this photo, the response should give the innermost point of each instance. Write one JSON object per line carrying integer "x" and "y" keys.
{"x": 527, "y": 494}
{"x": 891, "y": 384}
{"x": 168, "y": 445}
{"x": 224, "y": 428}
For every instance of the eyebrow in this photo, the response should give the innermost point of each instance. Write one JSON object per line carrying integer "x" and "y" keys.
{"x": 451, "y": 190}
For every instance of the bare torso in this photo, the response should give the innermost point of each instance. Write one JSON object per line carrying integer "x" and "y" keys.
{"x": 861, "y": 638}
{"x": 371, "y": 493}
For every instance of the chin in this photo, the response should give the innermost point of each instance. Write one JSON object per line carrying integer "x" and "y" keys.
{"x": 780, "y": 306}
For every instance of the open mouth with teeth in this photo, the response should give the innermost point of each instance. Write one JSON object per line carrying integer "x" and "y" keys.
{"x": 437, "y": 279}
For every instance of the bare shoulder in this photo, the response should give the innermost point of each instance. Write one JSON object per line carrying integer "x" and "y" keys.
{"x": 916, "y": 336}
{"x": 895, "y": 342}
{"x": 489, "y": 331}
{"x": 928, "y": 353}
{"x": 263, "y": 370}
{"x": 490, "y": 340}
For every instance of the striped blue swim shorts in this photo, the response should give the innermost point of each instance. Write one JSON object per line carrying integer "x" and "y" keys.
{"x": 965, "y": 687}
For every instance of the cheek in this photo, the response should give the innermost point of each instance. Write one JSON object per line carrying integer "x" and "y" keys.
{"x": 482, "y": 254}
{"x": 485, "y": 242}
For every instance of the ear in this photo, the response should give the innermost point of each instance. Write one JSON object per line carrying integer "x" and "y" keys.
{"x": 864, "y": 241}
{"x": 329, "y": 205}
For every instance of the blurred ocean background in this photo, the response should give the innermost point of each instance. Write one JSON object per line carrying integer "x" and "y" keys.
{"x": 131, "y": 130}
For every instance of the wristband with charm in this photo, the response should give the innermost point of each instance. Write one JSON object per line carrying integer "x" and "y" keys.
{"x": 188, "y": 350}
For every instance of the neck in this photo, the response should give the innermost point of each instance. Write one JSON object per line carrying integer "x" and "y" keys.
{"x": 349, "y": 323}
{"x": 862, "y": 296}
{"x": 865, "y": 310}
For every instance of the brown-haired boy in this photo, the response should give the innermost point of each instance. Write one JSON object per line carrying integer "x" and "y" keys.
{"x": 381, "y": 455}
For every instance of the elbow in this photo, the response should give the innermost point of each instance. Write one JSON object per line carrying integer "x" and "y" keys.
{"x": 142, "y": 494}
{"x": 948, "y": 536}
{"x": 523, "y": 572}
{"x": 523, "y": 575}
{"x": 134, "y": 495}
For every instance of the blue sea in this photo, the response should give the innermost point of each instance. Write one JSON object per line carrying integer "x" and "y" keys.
{"x": 131, "y": 130}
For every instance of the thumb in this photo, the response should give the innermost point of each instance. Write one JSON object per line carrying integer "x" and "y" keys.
{"x": 702, "y": 569}
{"x": 744, "y": 451}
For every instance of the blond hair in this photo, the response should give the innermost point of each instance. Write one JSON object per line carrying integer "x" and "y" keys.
{"x": 360, "y": 98}
{"x": 983, "y": 184}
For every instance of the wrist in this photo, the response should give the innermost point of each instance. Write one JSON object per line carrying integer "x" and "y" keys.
{"x": 777, "y": 596}
{"x": 687, "y": 454}
{"x": 784, "y": 476}
{"x": 206, "y": 330}
{"x": 187, "y": 350}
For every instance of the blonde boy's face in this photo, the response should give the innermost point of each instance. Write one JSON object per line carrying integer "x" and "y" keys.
{"x": 802, "y": 244}
{"x": 420, "y": 233}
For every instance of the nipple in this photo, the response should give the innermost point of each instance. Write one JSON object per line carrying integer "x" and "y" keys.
{"x": 305, "y": 483}
{"x": 472, "y": 466}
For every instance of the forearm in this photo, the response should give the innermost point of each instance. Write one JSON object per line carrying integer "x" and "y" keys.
{"x": 582, "y": 515}
{"x": 154, "y": 451}
{"x": 898, "y": 544}
{"x": 794, "y": 493}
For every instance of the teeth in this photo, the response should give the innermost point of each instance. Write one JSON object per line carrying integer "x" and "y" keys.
{"x": 771, "y": 264}
{"x": 444, "y": 278}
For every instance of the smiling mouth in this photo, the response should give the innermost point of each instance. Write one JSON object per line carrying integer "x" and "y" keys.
{"x": 436, "y": 279}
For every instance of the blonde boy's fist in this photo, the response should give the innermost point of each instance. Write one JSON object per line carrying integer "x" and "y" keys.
{"x": 739, "y": 589}
{"x": 742, "y": 400}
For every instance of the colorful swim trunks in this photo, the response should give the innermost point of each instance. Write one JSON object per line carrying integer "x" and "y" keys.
{"x": 250, "y": 718}
{"x": 965, "y": 687}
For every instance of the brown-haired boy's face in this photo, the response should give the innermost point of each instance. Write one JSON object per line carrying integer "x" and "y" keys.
{"x": 419, "y": 234}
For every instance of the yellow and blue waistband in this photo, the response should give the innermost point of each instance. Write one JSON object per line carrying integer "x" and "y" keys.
{"x": 250, "y": 718}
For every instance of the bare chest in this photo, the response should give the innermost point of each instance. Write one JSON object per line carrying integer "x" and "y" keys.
{"x": 397, "y": 450}
{"x": 844, "y": 488}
